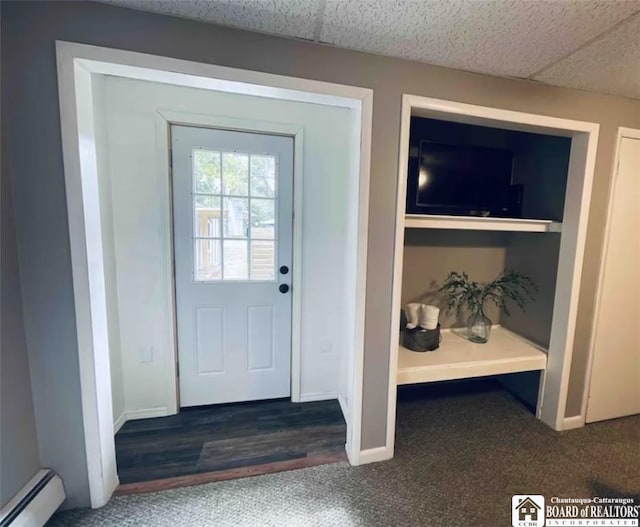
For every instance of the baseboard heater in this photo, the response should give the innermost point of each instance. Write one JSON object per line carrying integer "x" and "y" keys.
{"x": 35, "y": 503}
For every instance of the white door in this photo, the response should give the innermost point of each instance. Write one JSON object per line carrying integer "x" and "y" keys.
{"x": 233, "y": 220}
{"x": 615, "y": 375}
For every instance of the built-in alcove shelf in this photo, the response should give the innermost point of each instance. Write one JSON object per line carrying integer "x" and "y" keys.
{"x": 459, "y": 358}
{"x": 477, "y": 223}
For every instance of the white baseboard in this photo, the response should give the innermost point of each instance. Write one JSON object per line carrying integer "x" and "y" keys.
{"x": 353, "y": 457}
{"x": 117, "y": 425}
{"x": 318, "y": 396}
{"x": 147, "y": 413}
{"x": 570, "y": 423}
{"x": 344, "y": 407}
{"x": 373, "y": 455}
{"x": 35, "y": 503}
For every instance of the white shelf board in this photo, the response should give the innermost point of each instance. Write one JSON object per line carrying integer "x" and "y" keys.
{"x": 458, "y": 358}
{"x": 478, "y": 223}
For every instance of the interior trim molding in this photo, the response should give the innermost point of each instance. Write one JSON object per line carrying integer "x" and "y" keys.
{"x": 574, "y": 230}
{"x": 147, "y": 413}
{"x": 76, "y": 63}
{"x": 144, "y": 413}
{"x": 343, "y": 405}
{"x": 168, "y": 117}
{"x": 316, "y": 396}
{"x": 373, "y": 455}
{"x": 577, "y": 421}
{"x": 119, "y": 422}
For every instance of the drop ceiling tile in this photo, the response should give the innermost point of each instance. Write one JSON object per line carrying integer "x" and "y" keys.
{"x": 500, "y": 37}
{"x": 610, "y": 64}
{"x": 292, "y": 18}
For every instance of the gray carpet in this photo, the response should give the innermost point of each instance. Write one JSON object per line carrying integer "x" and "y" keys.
{"x": 459, "y": 458}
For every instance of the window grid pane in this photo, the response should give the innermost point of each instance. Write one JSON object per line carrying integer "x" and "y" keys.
{"x": 262, "y": 177}
{"x": 206, "y": 169}
{"x": 207, "y": 216}
{"x": 235, "y": 173}
{"x": 262, "y": 260}
{"x": 235, "y": 265}
{"x": 263, "y": 218}
{"x": 208, "y": 259}
{"x": 235, "y": 206}
{"x": 235, "y": 217}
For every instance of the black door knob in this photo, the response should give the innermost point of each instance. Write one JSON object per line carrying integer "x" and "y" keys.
{"x": 284, "y": 269}
{"x": 284, "y": 288}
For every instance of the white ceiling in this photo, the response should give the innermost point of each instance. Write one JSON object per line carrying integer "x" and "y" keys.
{"x": 586, "y": 44}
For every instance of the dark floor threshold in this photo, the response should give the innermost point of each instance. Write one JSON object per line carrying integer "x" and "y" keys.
{"x": 144, "y": 487}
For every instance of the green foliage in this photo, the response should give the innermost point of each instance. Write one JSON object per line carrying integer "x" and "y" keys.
{"x": 235, "y": 174}
{"x": 508, "y": 287}
{"x": 206, "y": 171}
{"x": 263, "y": 174}
{"x": 228, "y": 174}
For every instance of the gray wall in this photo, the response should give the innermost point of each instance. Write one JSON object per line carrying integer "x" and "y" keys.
{"x": 429, "y": 256}
{"x": 535, "y": 255}
{"x": 19, "y": 458}
{"x": 29, "y": 31}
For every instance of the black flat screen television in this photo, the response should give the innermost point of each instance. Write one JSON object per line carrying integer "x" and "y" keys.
{"x": 462, "y": 180}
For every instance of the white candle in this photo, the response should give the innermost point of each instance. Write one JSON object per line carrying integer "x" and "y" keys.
{"x": 429, "y": 317}
{"x": 413, "y": 314}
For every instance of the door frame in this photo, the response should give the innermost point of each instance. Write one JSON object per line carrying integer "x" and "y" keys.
{"x": 584, "y": 142}
{"x": 164, "y": 120}
{"x": 76, "y": 64}
{"x": 631, "y": 133}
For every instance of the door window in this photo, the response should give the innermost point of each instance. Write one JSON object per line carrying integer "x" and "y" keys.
{"x": 234, "y": 221}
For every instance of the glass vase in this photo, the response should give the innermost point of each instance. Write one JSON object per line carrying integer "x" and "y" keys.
{"x": 479, "y": 326}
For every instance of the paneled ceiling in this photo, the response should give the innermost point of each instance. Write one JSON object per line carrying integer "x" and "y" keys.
{"x": 592, "y": 45}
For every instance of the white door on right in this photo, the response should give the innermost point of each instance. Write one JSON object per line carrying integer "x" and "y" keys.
{"x": 615, "y": 375}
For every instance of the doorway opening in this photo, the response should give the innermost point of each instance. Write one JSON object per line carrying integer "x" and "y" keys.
{"x": 325, "y": 329}
{"x": 551, "y": 164}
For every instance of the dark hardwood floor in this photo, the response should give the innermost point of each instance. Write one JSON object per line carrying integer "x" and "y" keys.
{"x": 230, "y": 439}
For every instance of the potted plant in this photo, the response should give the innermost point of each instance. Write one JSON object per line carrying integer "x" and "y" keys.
{"x": 508, "y": 287}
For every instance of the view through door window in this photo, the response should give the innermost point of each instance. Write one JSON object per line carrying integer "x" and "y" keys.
{"x": 234, "y": 202}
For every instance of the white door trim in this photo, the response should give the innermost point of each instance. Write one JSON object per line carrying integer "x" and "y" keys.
{"x": 574, "y": 231}
{"x": 76, "y": 63}
{"x": 164, "y": 120}
{"x": 631, "y": 133}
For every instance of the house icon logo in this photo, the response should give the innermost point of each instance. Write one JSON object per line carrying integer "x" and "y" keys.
{"x": 527, "y": 510}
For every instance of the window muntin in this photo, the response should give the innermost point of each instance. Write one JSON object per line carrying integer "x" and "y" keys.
{"x": 234, "y": 197}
